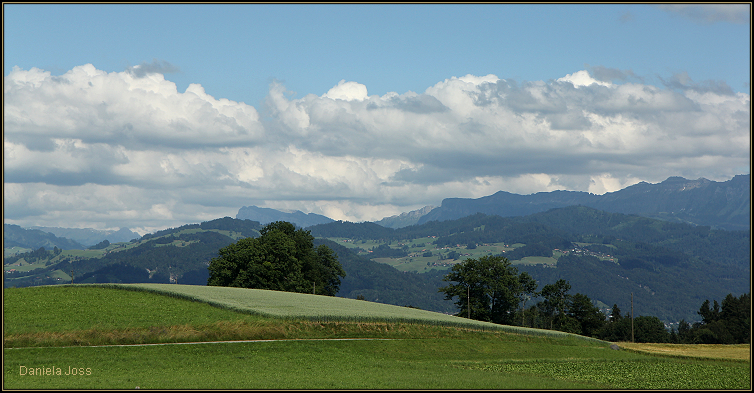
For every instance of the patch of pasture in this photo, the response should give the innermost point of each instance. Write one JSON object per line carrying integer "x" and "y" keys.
{"x": 11, "y": 251}
{"x": 61, "y": 308}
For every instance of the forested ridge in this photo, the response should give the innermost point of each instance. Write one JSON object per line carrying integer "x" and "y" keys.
{"x": 669, "y": 267}
{"x": 723, "y": 205}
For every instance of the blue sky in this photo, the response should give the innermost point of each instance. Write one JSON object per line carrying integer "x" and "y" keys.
{"x": 257, "y": 64}
{"x": 235, "y": 50}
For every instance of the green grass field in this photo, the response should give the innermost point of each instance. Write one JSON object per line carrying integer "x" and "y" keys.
{"x": 79, "y": 330}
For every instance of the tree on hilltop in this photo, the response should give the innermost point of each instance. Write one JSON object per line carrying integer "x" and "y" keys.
{"x": 282, "y": 258}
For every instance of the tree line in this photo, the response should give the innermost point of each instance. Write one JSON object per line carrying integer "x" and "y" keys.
{"x": 491, "y": 289}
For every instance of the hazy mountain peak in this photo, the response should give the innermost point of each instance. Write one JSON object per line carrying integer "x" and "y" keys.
{"x": 405, "y": 219}
{"x": 266, "y": 215}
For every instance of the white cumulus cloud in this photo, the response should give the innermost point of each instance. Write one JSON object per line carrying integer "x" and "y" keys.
{"x": 347, "y": 91}
{"x": 95, "y": 149}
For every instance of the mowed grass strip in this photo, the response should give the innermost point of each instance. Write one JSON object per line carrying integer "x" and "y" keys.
{"x": 93, "y": 315}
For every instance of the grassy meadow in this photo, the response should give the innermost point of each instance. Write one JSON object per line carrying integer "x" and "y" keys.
{"x": 161, "y": 336}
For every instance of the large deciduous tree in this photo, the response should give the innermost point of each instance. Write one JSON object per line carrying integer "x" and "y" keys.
{"x": 282, "y": 258}
{"x": 489, "y": 288}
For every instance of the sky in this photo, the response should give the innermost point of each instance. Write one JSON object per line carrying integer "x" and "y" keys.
{"x": 149, "y": 116}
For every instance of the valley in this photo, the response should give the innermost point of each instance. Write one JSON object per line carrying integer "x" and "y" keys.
{"x": 668, "y": 268}
{"x": 422, "y": 255}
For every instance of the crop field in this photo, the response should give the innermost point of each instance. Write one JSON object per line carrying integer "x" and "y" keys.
{"x": 163, "y": 336}
{"x": 740, "y": 352}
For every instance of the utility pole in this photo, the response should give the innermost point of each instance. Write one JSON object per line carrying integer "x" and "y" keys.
{"x": 632, "y": 317}
{"x": 314, "y": 289}
{"x": 468, "y": 300}
{"x": 71, "y": 276}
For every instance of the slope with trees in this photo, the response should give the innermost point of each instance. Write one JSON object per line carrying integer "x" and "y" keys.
{"x": 377, "y": 282}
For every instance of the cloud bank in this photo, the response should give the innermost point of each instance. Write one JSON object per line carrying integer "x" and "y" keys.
{"x": 105, "y": 150}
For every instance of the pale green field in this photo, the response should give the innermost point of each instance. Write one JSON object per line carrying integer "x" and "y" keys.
{"x": 321, "y": 308}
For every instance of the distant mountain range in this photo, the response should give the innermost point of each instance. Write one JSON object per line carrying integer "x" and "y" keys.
{"x": 62, "y": 238}
{"x": 265, "y": 215}
{"x": 15, "y": 236}
{"x": 720, "y": 205}
{"x": 89, "y": 237}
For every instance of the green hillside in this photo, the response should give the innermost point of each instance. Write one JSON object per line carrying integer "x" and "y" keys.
{"x": 107, "y": 309}
{"x": 670, "y": 268}
{"x": 66, "y": 336}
